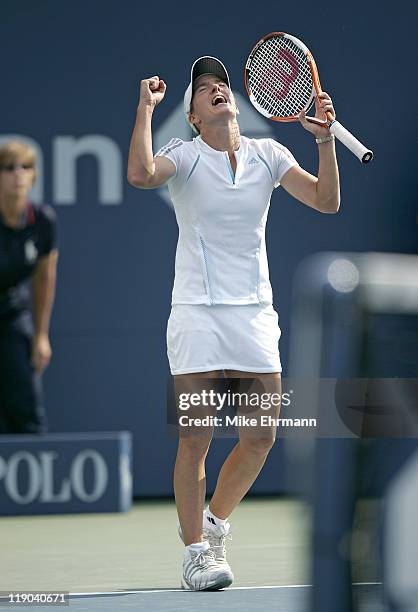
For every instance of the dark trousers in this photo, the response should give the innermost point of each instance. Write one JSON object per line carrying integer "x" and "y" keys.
{"x": 21, "y": 402}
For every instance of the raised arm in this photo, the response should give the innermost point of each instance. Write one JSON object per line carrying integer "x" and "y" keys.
{"x": 144, "y": 170}
{"x": 321, "y": 192}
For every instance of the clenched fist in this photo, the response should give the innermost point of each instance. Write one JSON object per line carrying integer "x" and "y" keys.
{"x": 152, "y": 91}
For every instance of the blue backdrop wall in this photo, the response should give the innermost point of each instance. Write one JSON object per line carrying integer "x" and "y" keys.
{"x": 70, "y": 75}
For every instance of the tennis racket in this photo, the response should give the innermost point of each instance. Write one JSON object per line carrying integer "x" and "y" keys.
{"x": 281, "y": 79}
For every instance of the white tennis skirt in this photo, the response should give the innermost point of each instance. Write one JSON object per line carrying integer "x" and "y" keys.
{"x": 201, "y": 338}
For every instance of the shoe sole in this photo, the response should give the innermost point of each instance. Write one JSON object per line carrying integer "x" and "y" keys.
{"x": 221, "y": 584}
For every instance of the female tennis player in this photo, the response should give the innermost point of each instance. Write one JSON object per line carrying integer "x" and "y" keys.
{"x": 222, "y": 320}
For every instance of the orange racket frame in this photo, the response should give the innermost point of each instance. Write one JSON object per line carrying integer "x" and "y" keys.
{"x": 363, "y": 153}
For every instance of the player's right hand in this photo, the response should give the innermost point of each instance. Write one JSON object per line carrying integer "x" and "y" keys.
{"x": 152, "y": 91}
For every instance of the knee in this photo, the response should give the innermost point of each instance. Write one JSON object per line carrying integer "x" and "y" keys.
{"x": 196, "y": 447}
{"x": 257, "y": 446}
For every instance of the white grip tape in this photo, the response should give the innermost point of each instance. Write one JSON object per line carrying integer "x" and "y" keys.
{"x": 350, "y": 141}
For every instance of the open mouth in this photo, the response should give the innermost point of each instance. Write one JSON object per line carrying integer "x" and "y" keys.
{"x": 218, "y": 99}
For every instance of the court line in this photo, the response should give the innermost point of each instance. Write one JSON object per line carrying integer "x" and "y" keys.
{"x": 238, "y": 588}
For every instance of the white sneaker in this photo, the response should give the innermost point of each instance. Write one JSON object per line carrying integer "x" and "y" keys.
{"x": 201, "y": 572}
{"x": 217, "y": 541}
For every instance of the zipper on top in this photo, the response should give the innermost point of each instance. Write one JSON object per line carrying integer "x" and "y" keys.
{"x": 231, "y": 172}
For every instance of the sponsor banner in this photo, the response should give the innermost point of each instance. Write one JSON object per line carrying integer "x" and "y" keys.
{"x": 62, "y": 473}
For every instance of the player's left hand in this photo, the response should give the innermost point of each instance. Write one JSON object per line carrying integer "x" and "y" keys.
{"x": 41, "y": 352}
{"x": 316, "y": 125}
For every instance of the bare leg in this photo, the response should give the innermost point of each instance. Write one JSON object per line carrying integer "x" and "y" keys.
{"x": 246, "y": 459}
{"x": 190, "y": 488}
{"x": 189, "y": 471}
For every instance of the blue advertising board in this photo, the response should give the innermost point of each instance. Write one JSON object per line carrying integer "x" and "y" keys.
{"x": 65, "y": 473}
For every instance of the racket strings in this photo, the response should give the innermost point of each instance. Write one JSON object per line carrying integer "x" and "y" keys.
{"x": 280, "y": 81}
{"x": 280, "y": 77}
{"x": 283, "y": 82}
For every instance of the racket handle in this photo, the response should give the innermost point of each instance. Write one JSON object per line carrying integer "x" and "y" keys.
{"x": 363, "y": 153}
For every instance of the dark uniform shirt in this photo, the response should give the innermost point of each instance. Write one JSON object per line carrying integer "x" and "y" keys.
{"x": 20, "y": 250}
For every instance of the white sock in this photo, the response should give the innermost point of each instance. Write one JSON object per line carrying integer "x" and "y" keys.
{"x": 211, "y": 521}
{"x": 198, "y": 547}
